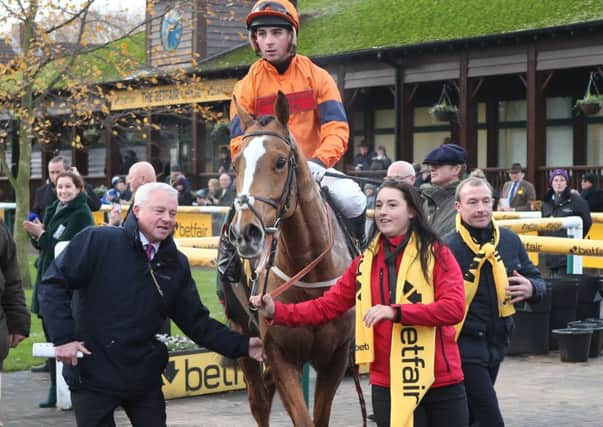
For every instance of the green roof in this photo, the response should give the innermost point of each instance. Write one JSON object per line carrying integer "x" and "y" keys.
{"x": 343, "y": 26}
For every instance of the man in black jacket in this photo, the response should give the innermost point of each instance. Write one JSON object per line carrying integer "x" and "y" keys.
{"x": 46, "y": 194}
{"x": 498, "y": 274}
{"x": 125, "y": 281}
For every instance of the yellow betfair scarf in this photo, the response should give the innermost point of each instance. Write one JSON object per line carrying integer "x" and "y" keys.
{"x": 412, "y": 356}
{"x": 487, "y": 252}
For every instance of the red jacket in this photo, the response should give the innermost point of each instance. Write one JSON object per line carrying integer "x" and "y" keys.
{"x": 317, "y": 117}
{"x": 447, "y": 309}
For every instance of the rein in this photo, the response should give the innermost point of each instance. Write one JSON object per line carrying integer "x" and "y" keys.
{"x": 285, "y": 286}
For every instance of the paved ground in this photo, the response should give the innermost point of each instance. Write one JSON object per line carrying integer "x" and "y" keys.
{"x": 533, "y": 391}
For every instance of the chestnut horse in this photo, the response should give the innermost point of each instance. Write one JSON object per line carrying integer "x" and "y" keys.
{"x": 278, "y": 201}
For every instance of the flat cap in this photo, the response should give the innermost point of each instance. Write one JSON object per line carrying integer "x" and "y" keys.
{"x": 446, "y": 154}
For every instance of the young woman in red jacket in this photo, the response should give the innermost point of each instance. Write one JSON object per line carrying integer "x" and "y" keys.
{"x": 406, "y": 330}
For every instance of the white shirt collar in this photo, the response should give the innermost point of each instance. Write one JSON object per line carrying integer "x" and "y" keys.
{"x": 145, "y": 241}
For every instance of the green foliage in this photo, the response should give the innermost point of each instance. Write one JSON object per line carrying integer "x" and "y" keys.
{"x": 20, "y": 358}
{"x": 444, "y": 108}
{"x": 337, "y": 26}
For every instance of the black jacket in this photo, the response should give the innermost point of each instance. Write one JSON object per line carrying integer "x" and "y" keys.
{"x": 594, "y": 198}
{"x": 568, "y": 204}
{"x": 117, "y": 308}
{"x": 46, "y": 195}
{"x": 485, "y": 336}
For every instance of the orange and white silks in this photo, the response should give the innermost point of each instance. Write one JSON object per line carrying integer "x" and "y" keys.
{"x": 317, "y": 121}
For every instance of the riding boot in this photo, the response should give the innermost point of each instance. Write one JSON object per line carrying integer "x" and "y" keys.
{"x": 356, "y": 227}
{"x": 51, "y": 401}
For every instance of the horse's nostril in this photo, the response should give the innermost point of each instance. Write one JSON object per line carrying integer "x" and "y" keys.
{"x": 252, "y": 233}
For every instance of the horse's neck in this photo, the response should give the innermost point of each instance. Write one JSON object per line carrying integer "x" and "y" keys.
{"x": 305, "y": 235}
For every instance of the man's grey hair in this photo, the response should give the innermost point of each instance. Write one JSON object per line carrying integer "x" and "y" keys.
{"x": 61, "y": 159}
{"x": 472, "y": 181}
{"x": 143, "y": 193}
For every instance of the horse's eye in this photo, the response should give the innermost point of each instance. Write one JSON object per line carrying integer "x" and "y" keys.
{"x": 281, "y": 162}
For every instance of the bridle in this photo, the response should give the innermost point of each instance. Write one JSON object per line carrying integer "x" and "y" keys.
{"x": 281, "y": 206}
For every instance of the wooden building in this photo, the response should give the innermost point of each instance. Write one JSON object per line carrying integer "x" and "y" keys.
{"x": 515, "y": 86}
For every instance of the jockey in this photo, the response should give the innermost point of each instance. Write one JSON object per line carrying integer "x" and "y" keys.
{"x": 317, "y": 123}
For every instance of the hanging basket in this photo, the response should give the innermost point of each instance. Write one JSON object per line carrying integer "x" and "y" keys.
{"x": 591, "y": 103}
{"x": 445, "y": 116}
{"x": 589, "y": 108}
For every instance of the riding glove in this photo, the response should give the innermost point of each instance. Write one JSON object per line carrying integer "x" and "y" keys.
{"x": 317, "y": 169}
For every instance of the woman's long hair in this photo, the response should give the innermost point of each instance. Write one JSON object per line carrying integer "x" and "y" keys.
{"x": 424, "y": 234}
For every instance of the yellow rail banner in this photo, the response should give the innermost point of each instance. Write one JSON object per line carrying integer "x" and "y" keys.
{"x": 200, "y": 257}
{"x": 562, "y": 245}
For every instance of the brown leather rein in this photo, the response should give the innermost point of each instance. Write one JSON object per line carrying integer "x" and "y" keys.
{"x": 285, "y": 286}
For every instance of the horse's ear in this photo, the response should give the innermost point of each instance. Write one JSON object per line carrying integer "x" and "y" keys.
{"x": 244, "y": 117}
{"x": 281, "y": 108}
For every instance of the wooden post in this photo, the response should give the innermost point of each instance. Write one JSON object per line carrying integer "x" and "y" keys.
{"x": 536, "y": 112}
{"x": 404, "y": 119}
{"x": 467, "y": 113}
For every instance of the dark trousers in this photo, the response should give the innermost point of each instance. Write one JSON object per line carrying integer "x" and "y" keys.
{"x": 95, "y": 409}
{"x": 440, "y": 407}
{"x": 483, "y": 403}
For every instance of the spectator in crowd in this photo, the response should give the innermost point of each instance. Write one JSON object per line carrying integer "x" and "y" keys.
{"x": 46, "y": 194}
{"x": 119, "y": 315}
{"x": 224, "y": 160}
{"x": 213, "y": 191}
{"x": 362, "y": 159}
{"x": 175, "y": 173}
{"x": 62, "y": 220}
{"x": 423, "y": 177}
{"x": 405, "y": 253}
{"x": 226, "y": 193}
{"x": 479, "y": 173}
{"x": 402, "y": 170}
{"x": 371, "y": 195}
{"x": 201, "y": 198}
{"x": 380, "y": 161}
{"x": 185, "y": 198}
{"x": 140, "y": 173}
{"x": 560, "y": 201}
{"x": 114, "y": 215}
{"x": 591, "y": 193}
{"x": 113, "y": 195}
{"x": 129, "y": 159}
{"x": 498, "y": 274}
{"x": 446, "y": 166}
{"x": 15, "y": 320}
{"x": 517, "y": 194}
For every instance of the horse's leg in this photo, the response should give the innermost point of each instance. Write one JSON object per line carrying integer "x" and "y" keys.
{"x": 259, "y": 399}
{"x": 329, "y": 374}
{"x": 287, "y": 378}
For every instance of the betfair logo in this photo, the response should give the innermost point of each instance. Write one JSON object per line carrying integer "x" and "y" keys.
{"x": 411, "y": 294}
{"x": 362, "y": 347}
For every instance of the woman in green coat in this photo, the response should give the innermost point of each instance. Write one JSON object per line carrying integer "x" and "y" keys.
{"x": 62, "y": 220}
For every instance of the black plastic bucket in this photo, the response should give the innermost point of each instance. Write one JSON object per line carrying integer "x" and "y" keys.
{"x": 596, "y": 342}
{"x": 574, "y": 343}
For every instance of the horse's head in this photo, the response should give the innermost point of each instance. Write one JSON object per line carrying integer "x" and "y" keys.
{"x": 266, "y": 174}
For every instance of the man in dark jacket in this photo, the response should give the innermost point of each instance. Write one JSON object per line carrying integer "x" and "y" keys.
{"x": 498, "y": 274}
{"x": 14, "y": 315}
{"x": 125, "y": 281}
{"x": 591, "y": 193}
{"x": 47, "y": 193}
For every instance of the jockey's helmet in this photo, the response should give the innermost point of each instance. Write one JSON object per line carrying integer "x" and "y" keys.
{"x": 273, "y": 13}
